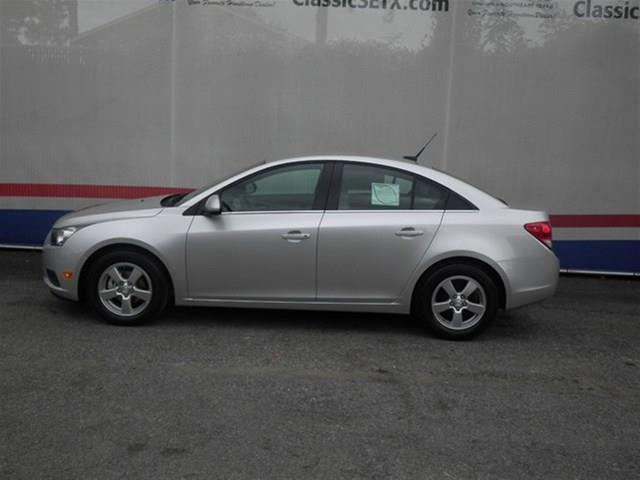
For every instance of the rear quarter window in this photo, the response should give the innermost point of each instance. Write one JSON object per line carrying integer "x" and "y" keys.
{"x": 456, "y": 202}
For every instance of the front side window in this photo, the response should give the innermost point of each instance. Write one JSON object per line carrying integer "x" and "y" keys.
{"x": 285, "y": 188}
{"x": 369, "y": 187}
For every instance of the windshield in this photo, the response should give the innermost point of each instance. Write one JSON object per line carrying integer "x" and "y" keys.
{"x": 193, "y": 194}
{"x": 200, "y": 190}
{"x": 172, "y": 199}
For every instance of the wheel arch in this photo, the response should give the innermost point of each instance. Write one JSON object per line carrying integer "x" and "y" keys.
{"x": 484, "y": 266}
{"x": 120, "y": 247}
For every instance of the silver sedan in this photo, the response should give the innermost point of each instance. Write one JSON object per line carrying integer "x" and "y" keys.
{"x": 336, "y": 233}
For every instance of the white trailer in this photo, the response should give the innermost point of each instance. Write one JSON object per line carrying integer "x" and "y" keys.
{"x": 536, "y": 102}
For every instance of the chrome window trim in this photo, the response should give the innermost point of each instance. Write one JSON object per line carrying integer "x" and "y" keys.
{"x": 389, "y": 210}
{"x": 263, "y": 212}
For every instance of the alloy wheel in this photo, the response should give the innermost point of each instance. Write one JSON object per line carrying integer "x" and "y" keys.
{"x": 458, "y": 302}
{"x": 125, "y": 289}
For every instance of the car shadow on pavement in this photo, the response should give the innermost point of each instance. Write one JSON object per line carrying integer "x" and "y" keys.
{"x": 507, "y": 324}
{"x": 286, "y": 319}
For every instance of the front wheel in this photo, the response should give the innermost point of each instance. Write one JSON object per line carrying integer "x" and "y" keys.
{"x": 127, "y": 288}
{"x": 457, "y": 301}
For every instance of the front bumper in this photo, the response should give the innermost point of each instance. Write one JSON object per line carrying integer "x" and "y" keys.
{"x": 55, "y": 261}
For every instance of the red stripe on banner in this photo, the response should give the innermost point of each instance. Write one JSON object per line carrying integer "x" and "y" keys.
{"x": 595, "y": 221}
{"x": 84, "y": 191}
{"x": 130, "y": 191}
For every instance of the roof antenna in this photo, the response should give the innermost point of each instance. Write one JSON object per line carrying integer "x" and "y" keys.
{"x": 417, "y": 155}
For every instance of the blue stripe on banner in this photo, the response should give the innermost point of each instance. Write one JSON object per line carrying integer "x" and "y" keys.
{"x": 26, "y": 227}
{"x": 599, "y": 255}
{"x": 30, "y": 227}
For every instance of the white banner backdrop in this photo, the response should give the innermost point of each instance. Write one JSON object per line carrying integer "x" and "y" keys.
{"x": 536, "y": 102}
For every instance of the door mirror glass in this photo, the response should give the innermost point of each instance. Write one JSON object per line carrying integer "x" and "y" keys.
{"x": 212, "y": 205}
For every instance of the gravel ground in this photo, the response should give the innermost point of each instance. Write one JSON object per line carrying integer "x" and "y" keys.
{"x": 550, "y": 391}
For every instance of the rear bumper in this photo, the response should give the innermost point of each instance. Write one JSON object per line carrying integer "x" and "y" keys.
{"x": 531, "y": 279}
{"x": 531, "y": 295}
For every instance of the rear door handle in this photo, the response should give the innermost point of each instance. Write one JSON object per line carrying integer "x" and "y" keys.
{"x": 295, "y": 236}
{"x": 409, "y": 232}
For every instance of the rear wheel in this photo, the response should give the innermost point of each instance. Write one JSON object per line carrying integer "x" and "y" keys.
{"x": 457, "y": 301}
{"x": 127, "y": 287}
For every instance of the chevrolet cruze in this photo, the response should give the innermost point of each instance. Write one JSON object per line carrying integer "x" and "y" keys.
{"x": 339, "y": 233}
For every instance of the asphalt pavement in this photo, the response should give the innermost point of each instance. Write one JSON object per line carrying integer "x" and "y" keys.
{"x": 551, "y": 391}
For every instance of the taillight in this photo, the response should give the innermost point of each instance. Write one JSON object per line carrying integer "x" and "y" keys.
{"x": 540, "y": 230}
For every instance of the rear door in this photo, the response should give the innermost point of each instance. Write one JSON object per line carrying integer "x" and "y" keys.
{"x": 377, "y": 227}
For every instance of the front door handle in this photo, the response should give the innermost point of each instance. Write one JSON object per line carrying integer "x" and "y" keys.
{"x": 295, "y": 236}
{"x": 409, "y": 232}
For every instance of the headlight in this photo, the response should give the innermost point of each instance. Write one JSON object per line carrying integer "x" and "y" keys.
{"x": 60, "y": 235}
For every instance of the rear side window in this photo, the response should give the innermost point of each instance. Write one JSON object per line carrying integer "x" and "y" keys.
{"x": 366, "y": 187}
{"x": 372, "y": 187}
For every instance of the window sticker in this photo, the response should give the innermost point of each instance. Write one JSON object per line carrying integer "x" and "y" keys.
{"x": 385, "y": 194}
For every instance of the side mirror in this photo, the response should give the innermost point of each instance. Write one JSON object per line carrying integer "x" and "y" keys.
{"x": 212, "y": 205}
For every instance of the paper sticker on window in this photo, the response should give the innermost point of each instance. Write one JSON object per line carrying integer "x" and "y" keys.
{"x": 385, "y": 194}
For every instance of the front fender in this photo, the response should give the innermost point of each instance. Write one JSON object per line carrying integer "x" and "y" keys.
{"x": 164, "y": 236}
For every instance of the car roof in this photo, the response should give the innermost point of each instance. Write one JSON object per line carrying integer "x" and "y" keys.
{"x": 388, "y": 162}
{"x": 344, "y": 158}
{"x": 472, "y": 193}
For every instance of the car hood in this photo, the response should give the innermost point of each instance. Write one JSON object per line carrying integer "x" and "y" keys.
{"x": 140, "y": 207}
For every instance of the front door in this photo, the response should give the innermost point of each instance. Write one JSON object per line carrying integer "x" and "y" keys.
{"x": 263, "y": 244}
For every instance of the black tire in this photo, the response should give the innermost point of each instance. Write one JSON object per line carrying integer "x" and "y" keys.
{"x": 445, "y": 309}
{"x": 127, "y": 303}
